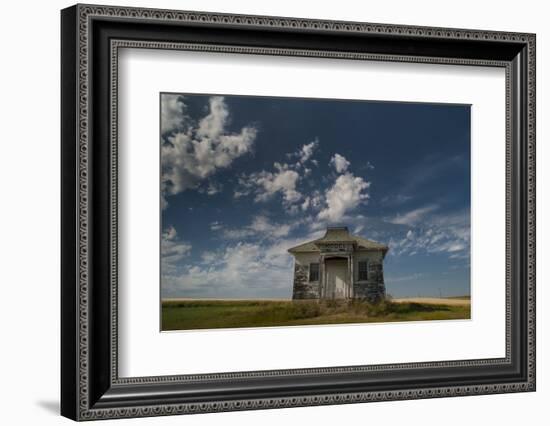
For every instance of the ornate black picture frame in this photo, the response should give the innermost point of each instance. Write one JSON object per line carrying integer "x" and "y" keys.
{"x": 91, "y": 387}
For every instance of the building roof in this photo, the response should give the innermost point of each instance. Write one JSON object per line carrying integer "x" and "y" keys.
{"x": 339, "y": 234}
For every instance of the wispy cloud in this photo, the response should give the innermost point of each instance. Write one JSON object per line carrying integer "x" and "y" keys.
{"x": 260, "y": 228}
{"x": 210, "y": 188}
{"x": 403, "y": 278}
{"x": 439, "y": 234}
{"x": 395, "y": 200}
{"x": 412, "y": 217}
{"x": 173, "y": 250}
{"x": 242, "y": 269}
{"x": 238, "y": 270}
{"x": 426, "y": 171}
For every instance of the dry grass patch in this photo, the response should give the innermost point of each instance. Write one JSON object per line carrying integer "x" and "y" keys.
{"x": 207, "y": 314}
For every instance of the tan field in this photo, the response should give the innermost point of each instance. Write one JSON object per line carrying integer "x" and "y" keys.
{"x": 435, "y": 301}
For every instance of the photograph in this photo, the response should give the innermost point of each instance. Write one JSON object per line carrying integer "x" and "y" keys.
{"x": 279, "y": 211}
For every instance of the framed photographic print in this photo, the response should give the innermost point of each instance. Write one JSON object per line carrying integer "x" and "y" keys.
{"x": 263, "y": 212}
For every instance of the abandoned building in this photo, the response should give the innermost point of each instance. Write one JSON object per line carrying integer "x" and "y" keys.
{"x": 339, "y": 266}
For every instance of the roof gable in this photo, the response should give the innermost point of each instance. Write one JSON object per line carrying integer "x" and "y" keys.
{"x": 338, "y": 234}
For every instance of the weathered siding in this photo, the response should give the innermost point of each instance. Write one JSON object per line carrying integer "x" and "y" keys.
{"x": 374, "y": 288}
{"x": 303, "y": 289}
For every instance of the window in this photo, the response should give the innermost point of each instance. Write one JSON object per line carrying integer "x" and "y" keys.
{"x": 363, "y": 270}
{"x": 313, "y": 272}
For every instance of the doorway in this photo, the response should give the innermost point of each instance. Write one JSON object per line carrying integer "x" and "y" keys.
{"x": 336, "y": 283}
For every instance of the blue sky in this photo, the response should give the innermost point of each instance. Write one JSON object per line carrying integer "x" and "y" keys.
{"x": 245, "y": 178}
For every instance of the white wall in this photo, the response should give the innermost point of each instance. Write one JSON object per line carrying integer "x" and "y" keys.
{"x": 29, "y": 229}
{"x": 305, "y": 259}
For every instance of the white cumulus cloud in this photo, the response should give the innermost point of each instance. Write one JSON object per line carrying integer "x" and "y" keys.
{"x": 172, "y": 113}
{"x": 283, "y": 180}
{"x": 266, "y": 184}
{"x": 191, "y": 154}
{"x": 346, "y": 194}
{"x": 340, "y": 163}
{"x": 305, "y": 153}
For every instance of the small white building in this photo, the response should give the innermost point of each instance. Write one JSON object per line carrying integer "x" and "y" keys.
{"x": 339, "y": 266}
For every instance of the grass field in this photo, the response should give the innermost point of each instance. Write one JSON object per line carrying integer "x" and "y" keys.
{"x": 204, "y": 314}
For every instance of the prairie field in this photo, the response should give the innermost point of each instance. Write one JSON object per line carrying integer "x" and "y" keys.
{"x": 209, "y": 314}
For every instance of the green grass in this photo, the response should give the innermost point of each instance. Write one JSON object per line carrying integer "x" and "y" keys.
{"x": 204, "y": 314}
